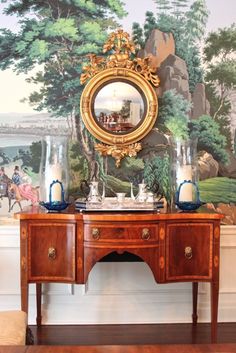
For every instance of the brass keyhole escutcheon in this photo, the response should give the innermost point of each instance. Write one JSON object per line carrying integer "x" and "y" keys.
{"x": 52, "y": 253}
{"x": 188, "y": 252}
{"x": 95, "y": 233}
{"x": 145, "y": 234}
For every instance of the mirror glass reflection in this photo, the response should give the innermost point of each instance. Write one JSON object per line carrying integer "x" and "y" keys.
{"x": 118, "y": 107}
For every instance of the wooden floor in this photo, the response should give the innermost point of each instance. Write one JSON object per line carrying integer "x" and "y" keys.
{"x": 131, "y": 334}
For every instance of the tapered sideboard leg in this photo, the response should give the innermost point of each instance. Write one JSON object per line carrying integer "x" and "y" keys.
{"x": 214, "y": 310}
{"x": 24, "y": 297}
{"x": 195, "y": 295}
{"x": 39, "y": 303}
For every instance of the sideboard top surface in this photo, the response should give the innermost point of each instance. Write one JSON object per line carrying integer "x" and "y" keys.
{"x": 38, "y": 212}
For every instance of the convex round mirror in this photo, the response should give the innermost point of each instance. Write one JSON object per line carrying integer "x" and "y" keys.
{"x": 118, "y": 106}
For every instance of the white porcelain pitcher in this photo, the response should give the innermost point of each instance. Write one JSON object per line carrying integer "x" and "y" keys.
{"x": 142, "y": 192}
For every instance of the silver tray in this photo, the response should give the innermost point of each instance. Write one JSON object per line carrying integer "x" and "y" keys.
{"x": 111, "y": 204}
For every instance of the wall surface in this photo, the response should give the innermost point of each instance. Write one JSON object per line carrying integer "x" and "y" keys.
{"x": 178, "y": 67}
{"x": 118, "y": 293}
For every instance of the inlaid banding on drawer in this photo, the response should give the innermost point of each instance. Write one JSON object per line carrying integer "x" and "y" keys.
{"x": 144, "y": 233}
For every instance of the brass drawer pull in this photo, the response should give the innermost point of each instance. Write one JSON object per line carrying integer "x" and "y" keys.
{"x": 95, "y": 233}
{"x": 145, "y": 234}
{"x": 188, "y": 252}
{"x": 52, "y": 253}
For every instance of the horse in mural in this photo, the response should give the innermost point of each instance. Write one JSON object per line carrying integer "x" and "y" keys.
{"x": 4, "y": 188}
{"x": 22, "y": 192}
{"x": 18, "y": 193}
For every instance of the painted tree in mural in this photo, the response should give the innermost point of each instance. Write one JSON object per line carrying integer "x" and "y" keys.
{"x": 179, "y": 6}
{"x": 157, "y": 176}
{"x": 137, "y": 35}
{"x": 187, "y": 26}
{"x": 163, "y": 6}
{"x": 174, "y": 114}
{"x": 210, "y": 139}
{"x": 164, "y": 18}
{"x": 54, "y": 38}
{"x": 196, "y": 19}
{"x": 219, "y": 54}
{"x": 149, "y": 25}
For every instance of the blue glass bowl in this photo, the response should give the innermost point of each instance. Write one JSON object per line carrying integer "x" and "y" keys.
{"x": 55, "y": 206}
{"x": 189, "y": 206}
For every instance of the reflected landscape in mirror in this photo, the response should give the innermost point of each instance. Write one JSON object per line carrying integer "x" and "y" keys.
{"x": 119, "y": 107}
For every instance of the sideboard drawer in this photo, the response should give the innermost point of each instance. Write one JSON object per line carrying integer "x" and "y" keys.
{"x": 124, "y": 232}
{"x": 189, "y": 248}
{"x": 51, "y": 252}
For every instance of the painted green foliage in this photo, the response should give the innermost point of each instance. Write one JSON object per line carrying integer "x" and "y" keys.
{"x": 187, "y": 24}
{"x": 174, "y": 118}
{"x": 149, "y": 25}
{"x": 219, "y": 55}
{"x": 224, "y": 121}
{"x": 188, "y": 27}
{"x": 58, "y": 35}
{"x": 219, "y": 189}
{"x": 209, "y": 137}
{"x": 157, "y": 176}
{"x": 32, "y": 157}
{"x": 55, "y": 41}
{"x": 173, "y": 114}
{"x": 137, "y": 35}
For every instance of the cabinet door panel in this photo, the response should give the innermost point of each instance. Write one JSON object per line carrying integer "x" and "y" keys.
{"x": 51, "y": 252}
{"x": 189, "y": 251}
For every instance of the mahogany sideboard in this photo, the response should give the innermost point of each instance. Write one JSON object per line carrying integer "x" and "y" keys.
{"x": 64, "y": 247}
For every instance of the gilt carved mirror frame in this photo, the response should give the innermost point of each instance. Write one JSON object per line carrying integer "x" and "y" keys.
{"x": 130, "y": 76}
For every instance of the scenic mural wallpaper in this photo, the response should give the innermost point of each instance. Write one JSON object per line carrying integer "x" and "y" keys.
{"x": 43, "y": 48}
